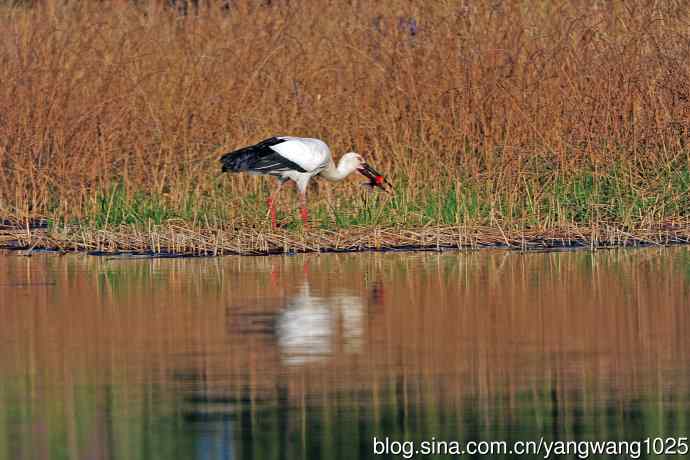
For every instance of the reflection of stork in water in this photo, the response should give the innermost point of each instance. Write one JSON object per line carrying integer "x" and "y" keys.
{"x": 311, "y": 327}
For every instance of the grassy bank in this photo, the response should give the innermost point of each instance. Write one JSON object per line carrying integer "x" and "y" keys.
{"x": 513, "y": 121}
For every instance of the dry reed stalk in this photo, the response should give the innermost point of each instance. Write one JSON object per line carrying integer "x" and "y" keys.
{"x": 209, "y": 242}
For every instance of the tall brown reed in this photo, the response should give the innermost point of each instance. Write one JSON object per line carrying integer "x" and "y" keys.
{"x": 436, "y": 93}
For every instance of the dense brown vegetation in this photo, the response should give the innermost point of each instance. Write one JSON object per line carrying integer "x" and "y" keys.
{"x": 534, "y": 114}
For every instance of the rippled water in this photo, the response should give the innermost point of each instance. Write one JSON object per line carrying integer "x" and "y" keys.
{"x": 314, "y": 356}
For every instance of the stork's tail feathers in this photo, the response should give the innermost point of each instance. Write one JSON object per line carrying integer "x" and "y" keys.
{"x": 236, "y": 161}
{"x": 245, "y": 159}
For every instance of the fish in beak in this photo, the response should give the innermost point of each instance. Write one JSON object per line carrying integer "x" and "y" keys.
{"x": 375, "y": 178}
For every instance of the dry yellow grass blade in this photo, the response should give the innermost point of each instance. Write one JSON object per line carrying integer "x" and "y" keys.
{"x": 175, "y": 240}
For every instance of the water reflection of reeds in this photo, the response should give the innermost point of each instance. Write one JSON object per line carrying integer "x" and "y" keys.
{"x": 101, "y": 353}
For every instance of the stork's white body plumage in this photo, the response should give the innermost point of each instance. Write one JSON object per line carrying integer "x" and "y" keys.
{"x": 312, "y": 155}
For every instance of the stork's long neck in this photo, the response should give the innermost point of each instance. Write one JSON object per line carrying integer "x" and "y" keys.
{"x": 336, "y": 173}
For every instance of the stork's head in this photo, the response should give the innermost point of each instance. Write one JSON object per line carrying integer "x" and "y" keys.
{"x": 355, "y": 161}
{"x": 352, "y": 161}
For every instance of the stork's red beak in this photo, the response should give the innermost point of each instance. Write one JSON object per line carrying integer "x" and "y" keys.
{"x": 375, "y": 178}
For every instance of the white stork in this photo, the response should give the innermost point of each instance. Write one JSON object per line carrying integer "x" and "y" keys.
{"x": 299, "y": 159}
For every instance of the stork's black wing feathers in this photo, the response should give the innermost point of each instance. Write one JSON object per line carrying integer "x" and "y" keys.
{"x": 260, "y": 158}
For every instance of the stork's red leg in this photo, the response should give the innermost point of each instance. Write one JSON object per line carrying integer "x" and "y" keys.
{"x": 272, "y": 212}
{"x": 270, "y": 202}
{"x": 304, "y": 212}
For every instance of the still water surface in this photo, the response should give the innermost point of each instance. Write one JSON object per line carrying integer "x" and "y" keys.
{"x": 313, "y": 356}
